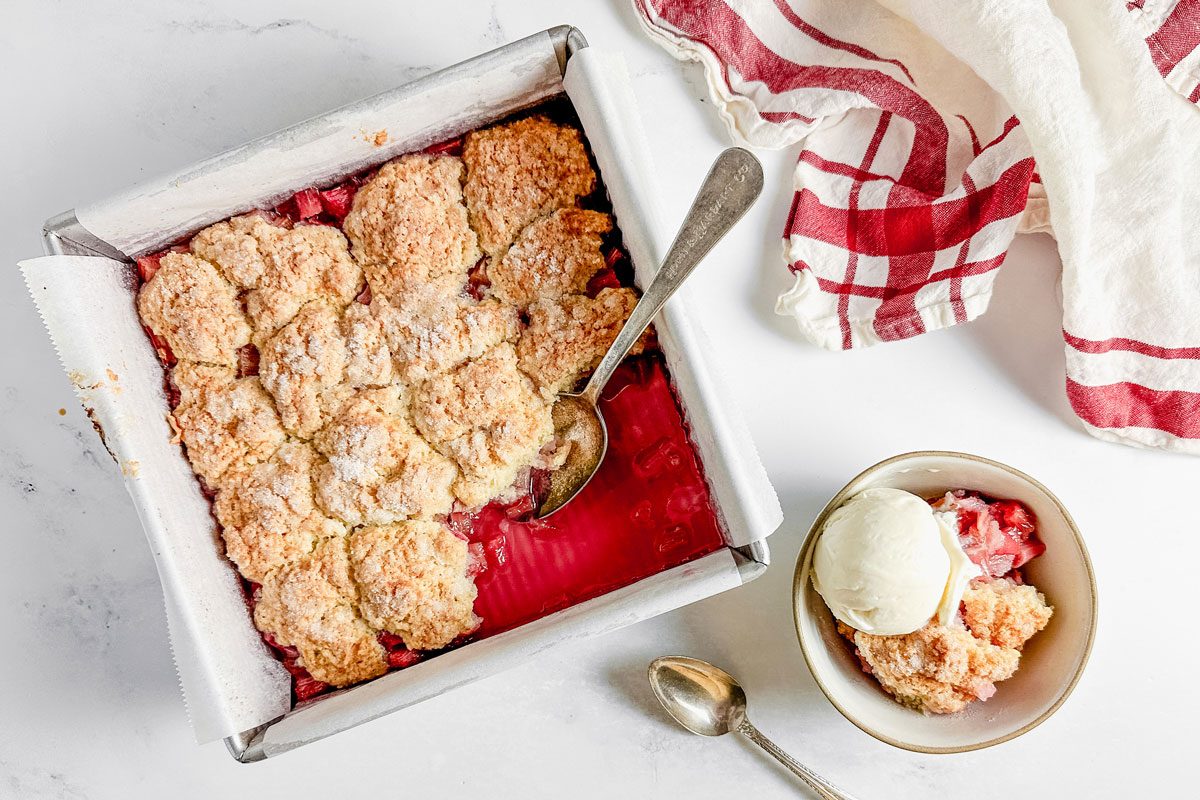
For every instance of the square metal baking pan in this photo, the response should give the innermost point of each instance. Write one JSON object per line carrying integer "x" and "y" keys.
{"x": 66, "y": 234}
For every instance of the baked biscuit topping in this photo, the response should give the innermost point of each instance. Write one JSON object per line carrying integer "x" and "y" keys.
{"x": 223, "y": 420}
{"x": 489, "y": 418}
{"x": 368, "y": 360}
{"x": 190, "y": 306}
{"x": 938, "y": 668}
{"x": 568, "y": 337}
{"x": 377, "y": 469}
{"x": 279, "y": 268}
{"x": 414, "y": 583}
{"x": 267, "y": 512}
{"x": 555, "y": 256}
{"x": 302, "y": 364}
{"x": 311, "y": 605}
{"x": 409, "y": 226}
{"x": 429, "y": 333}
{"x": 357, "y": 420}
{"x": 1005, "y": 613}
{"x": 520, "y": 171}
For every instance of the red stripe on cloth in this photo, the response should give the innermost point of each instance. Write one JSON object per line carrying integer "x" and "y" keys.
{"x": 1178, "y": 36}
{"x": 852, "y": 232}
{"x": 1100, "y": 346}
{"x": 975, "y": 148}
{"x": 718, "y": 27}
{"x": 912, "y": 224}
{"x": 1010, "y": 125}
{"x": 1131, "y": 405}
{"x": 841, "y": 168}
{"x": 1194, "y": 96}
{"x": 783, "y": 116}
{"x": 836, "y": 44}
{"x": 956, "y": 301}
{"x": 883, "y": 292}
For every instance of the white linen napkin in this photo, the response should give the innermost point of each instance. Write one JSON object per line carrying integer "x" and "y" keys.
{"x": 932, "y": 133}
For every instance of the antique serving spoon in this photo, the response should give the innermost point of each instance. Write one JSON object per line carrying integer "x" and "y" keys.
{"x": 732, "y": 185}
{"x": 708, "y": 701}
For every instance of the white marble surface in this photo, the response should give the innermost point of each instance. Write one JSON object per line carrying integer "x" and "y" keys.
{"x": 95, "y": 98}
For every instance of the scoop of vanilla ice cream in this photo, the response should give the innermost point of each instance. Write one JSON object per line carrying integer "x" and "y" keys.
{"x": 881, "y": 563}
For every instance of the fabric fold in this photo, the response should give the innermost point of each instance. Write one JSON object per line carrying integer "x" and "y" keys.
{"x": 931, "y": 134}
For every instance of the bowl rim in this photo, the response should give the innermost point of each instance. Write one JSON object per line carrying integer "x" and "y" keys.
{"x": 800, "y": 578}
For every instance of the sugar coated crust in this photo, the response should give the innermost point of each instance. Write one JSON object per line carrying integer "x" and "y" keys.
{"x": 268, "y": 514}
{"x": 194, "y": 310}
{"x": 409, "y": 228}
{"x": 224, "y": 420}
{"x": 413, "y": 582}
{"x": 520, "y": 171}
{"x": 939, "y": 668}
{"x": 311, "y": 604}
{"x": 429, "y": 333}
{"x": 280, "y": 269}
{"x": 302, "y": 364}
{"x": 1004, "y": 612}
{"x": 556, "y": 255}
{"x": 376, "y": 469}
{"x": 488, "y": 416}
{"x": 567, "y": 338}
{"x": 368, "y": 359}
{"x": 340, "y": 393}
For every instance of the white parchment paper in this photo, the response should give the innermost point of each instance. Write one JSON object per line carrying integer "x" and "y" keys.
{"x": 230, "y": 680}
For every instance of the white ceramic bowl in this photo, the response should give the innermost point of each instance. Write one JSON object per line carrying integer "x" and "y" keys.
{"x": 1052, "y": 661}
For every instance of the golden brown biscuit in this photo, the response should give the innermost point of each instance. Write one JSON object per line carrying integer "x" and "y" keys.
{"x": 279, "y": 268}
{"x": 520, "y": 171}
{"x": 301, "y": 365}
{"x": 194, "y": 310}
{"x": 311, "y": 605}
{"x": 377, "y": 469}
{"x": 267, "y": 512}
{"x": 223, "y": 420}
{"x": 556, "y": 255}
{"x": 567, "y": 338}
{"x": 939, "y": 668}
{"x": 488, "y": 417}
{"x": 1005, "y": 613}
{"x": 409, "y": 226}
{"x": 368, "y": 359}
{"x": 429, "y": 333}
{"x": 413, "y": 582}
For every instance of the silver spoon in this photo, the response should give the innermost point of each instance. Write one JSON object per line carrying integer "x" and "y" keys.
{"x": 732, "y": 185}
{"x": 708, "y": 701}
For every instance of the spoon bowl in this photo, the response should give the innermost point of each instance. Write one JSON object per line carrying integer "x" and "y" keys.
{"x": 700, "y": 697}
{"x": 731, "y": 187}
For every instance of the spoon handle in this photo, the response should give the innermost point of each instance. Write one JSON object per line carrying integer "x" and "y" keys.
{"x": 824, "y": 789}
{"x": 732, "y": 186}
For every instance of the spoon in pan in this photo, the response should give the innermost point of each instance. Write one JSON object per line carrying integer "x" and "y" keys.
{"x": 732, "y": 185}
{"x": 709, "y": 701}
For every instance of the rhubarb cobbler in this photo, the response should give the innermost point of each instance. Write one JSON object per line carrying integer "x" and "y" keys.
{"x": 931, "y": 595}
{"x": 362, "y": 380}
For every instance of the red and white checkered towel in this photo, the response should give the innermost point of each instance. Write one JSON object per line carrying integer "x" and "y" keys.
{"x": 933, "y": 132}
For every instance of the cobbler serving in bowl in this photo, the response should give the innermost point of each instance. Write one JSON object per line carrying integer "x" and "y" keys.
{"x": 945, "y": 602}
{"x": 362, "y": 380}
